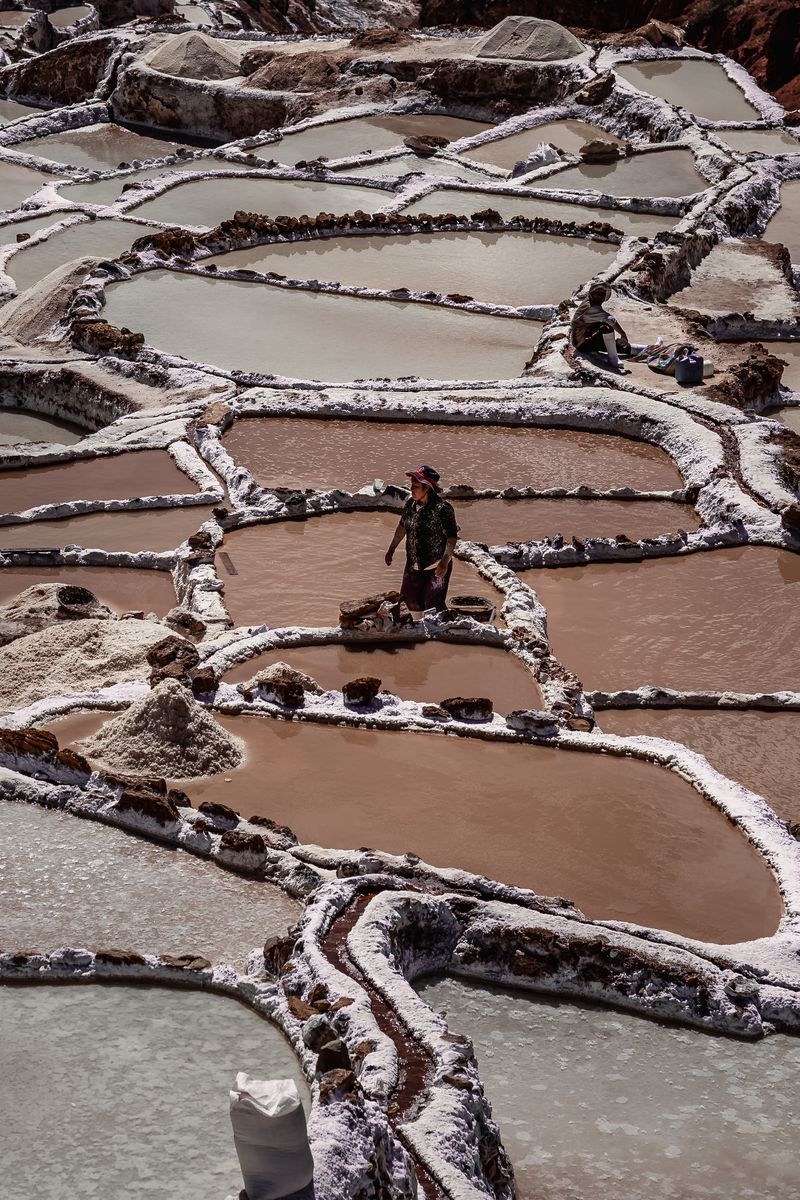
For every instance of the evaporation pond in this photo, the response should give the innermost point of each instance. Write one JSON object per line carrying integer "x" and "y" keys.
{"x": 131, "y": 1086}
{"x": 759, "y": 749}
{"x": 498, "y": 521}
{"x": 345, "y": 139}
{"x": 20, "y": 425}
{"x": 331, "y": 559}
{"x": 100, "y": 239}
{"x": 701, "y": 87}
{"x": 313, "y": 335}
{"x": 591, "y": 1102}
{"x": 453, "y": 200}
{"x": 155, "y": 529}
{"x": 106, "y": 191}
{"x": 18, "y": 183}
{"x": 301, "y": 453}
{"x": 62, "y": 18}
{"x": 422, "y": 671}
{"x": 622, "y": 838}
{"x": 68, "y": 882}
{"x": 738, "y": 277}
{"x": 11, "y": 110}
{"x": 565, "y": 135}
{"x": 98, "y": 147}
{"x": 209, "y": 201}
{"x": 124, "y": 589}
{"x": 784, "y": 227}
{"x": 720, "y": 620}
{"x": 414, "y": 164}
{"x": 765, "y": 141}
{"x": 108, "y": 477}
{"x": 498, "y": 268}
{"x": 654, "y": 173}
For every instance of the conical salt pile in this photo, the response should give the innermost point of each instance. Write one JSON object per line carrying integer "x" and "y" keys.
{"x": 166, "y": 733}
{"x": 196, "y": 56}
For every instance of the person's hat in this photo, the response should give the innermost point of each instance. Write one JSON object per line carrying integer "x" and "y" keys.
{"x": 426, "y": 475}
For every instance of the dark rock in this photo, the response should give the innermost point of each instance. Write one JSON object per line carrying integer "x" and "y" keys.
{"x": 144, "y": 804}
{"x": 474, "y": 708}
{"x": 235, "y": 842}
{"x": 173, "y": 649}
{"x": 318, "y": 1032}
{"x": 599, "y": 150}
{"x": 435, "y": 712}
{"x": 334, "y": 1056}
{"x": 217, "y": 413}
{"x": 277, "y": 952}
{"x": 530, "y": 721}
{"x": 596, "y": 90}
{"x": 203, "y": 681}
{"x": 336, "y": 1084}
{"x": 425, "y": 145}
{"x": 219, "y": 814}
{"x": 361, "y": 692}
{"x": 185, "y": 962}
{"x": 181, "y": 619}
{"x": 300, "y": 1009}
{"x": 120, "y": 958}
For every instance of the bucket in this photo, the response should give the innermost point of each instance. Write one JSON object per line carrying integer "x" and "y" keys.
{"x": 689, "y": 370}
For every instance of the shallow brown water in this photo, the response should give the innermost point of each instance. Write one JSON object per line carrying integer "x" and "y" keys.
{"x": 18, "y": 183}
{"x": 701, "y": 87}
{"x": 758, "y": 749}
{"x": 299, "y": 572}
{"x": 99, "y": 147}
{"x": 414, "y": 164}
{"x": 146, "y": 529}
{"x": 498, "y": 521}
{"x": 344, "y": 139}
{"x": 110, "y": 477}
{"x": 296, "y": 452}
{"x": 498, "y": 268}
{"x": 100, "y": 239}
{"x": 734, "y": 278}
{"x": 565, "y": 135}
{"x": 724, "y": 619}
{"x": 105, "y": 191}
{"x": 766, "y": 141}
{"x": 624, "y": 839}
{"x": 790, "y": 353}
{"x": 314, "y": 335}
{"x": 424, "y": 671}
{"x": 660, "y": 173}
{"x": 124, "y": 589}
{"x": 19, "y": 425}
{"x": 785, "y": 225}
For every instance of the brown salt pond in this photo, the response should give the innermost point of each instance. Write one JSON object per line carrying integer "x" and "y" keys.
{"x": 453, "y": 200}
{"x": 125, "y": 589}
{"x": 209, "y": 201}
{"x": 784, "y": 227}
{"x": 624, "y": 839}
{"x": 19, "y": 425}
{"x": 720, "y": 620}
{"x": 701, "y": 87}
{"x": 299, "y": 572}
{"x": 498, "y": 521}
{"x": 156, "y": 529}
{"x": 790, "y": 417}
{"x": 98, "y": 147}
{"x": 10, "y": 110}
{"x": 316, "y": 335}
{"x": 18, "y": 183}
{"x": 758, "y": 749}
{"x": 99, "y": 239}
{"x": 655, "y": 173}
{"x": 67, "y": 882}
{"x": 425, "y": 671}
{"x": 106, "y": 191}
{"x": 498, "y": 268}
{"x": 764, "y": 141}
{"x": 413, "y": 164}
{"x": 738, "y": 277}
{"x": 62, "y": 18}
{"x": 790, "y": 353}
{"x": 565, "y": 135}
{"x": 345, "y": 139}
{"x": 301, "y": 453}
{"x": 109, "y": 477}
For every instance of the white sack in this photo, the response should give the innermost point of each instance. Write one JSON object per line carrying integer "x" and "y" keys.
{"x": 269, "y": 1132}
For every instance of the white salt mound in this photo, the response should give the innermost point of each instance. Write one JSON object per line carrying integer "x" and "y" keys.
{"x": 196, "y": 56}
{"x": 166, "y": 733}
{"x": 529, "y": 39}
{"x": 74, "y": 657}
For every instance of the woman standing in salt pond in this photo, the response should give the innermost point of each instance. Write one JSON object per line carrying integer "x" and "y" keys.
{"x": 428, "y": 524}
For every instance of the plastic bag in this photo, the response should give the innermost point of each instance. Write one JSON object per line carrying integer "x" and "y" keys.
{"x": 269, "y": 1132}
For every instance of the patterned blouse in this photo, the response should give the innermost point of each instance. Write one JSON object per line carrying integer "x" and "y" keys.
{"x": 428, "y": 529}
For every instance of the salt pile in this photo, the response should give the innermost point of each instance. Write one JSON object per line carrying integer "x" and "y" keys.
{"x": 196, "y": 56}
{"x": 169, "y": 733}
{"x": 530, "y": 39}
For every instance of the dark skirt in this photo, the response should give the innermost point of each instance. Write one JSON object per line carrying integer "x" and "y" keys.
{"x": 423, "y": 589}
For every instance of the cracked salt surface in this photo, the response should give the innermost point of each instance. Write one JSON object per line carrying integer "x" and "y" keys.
{"x": 594, "y": 1102}
{"x": 65, "y": 882}
{"x": 131, "y": 1086}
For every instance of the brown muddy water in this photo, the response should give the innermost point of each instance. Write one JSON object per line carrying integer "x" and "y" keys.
{"x": 790, "y": 353}
{"x": 650, "y": 1110}
{"x": 76, "y": 883}
{"x": 657, "y": 173}
{"x": 721, "y": 620}
{"x": 498, "y": 268}
{"x": 701, "y": 87}
{"x": 106, "y": 191}
{"x": 498, "y": 521}
{"x": 300, "y": 453}
{"x": 452, "y": 200}
{"x": 154, "y": 529}
{"x": 345, "y": 139}
{"x": 413, "y": 164}
{"x": 299, "y": 572}
{"x": 10, "y": 110}
{"x": 125, "y": 589}
{"x": 425, "y": 671}
{"x": 19, "y": 425}
{"x": 784, "y": 227}
{"x": 790, "y": 417}
{"x": 314, "y": 335}
{"x": 18, "y": 183}
{"x": 61, "y": 18}
{"x": 624, "y": 839}
{"x": 98, "y": 147}
{"x": 758, "y": 749}
{"x": 209, "y": 201}
{"x": 109, "y": 477}
{"x": 764, "y": 141}
{"x": 100, "y": 239}
{"x": 565, "y": 135}
{"x": 735, "y": 278}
